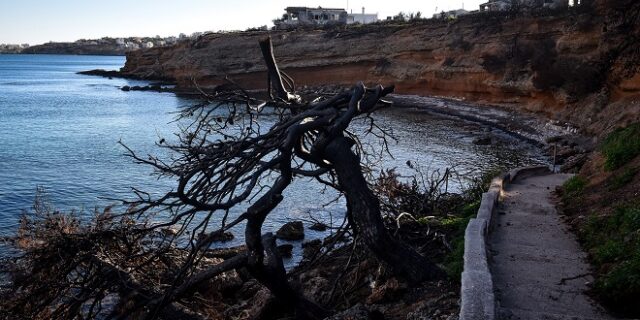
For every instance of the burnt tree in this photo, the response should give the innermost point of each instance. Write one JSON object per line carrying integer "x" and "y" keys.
{"x": 229, "y": 170}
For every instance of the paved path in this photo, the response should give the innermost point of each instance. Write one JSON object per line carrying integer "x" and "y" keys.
{"x": 533, "y": 257}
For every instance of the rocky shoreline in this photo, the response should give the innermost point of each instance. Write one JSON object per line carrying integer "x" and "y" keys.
{"x": 563, "y": 143}
{"x": 372, "y": 291}
{"x": 119, "y": 74}
{"x": 535, "y": 129}
{"x": 560, "y": 140}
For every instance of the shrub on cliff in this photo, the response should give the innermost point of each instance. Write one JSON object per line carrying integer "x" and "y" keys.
{"x": 459, "y": 43}
{"x": 621, "y": 146}
{"x": 580, "y": 77}
{"x": 573, "y": 188}
{"x": 494, "y": 63}
{"x": 576, "y": 77}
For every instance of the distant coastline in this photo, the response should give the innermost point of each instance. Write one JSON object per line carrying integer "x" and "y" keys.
{"x": 99, "y": 47}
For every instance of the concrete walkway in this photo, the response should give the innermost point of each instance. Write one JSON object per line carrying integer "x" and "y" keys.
{"x": 539, "y": 270}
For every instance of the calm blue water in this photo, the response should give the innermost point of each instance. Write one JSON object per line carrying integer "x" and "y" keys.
{"x": 59, "y": 130}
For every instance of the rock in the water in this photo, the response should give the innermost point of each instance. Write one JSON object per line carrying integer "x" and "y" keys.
{"x": 482, "y": 141}
{"x": 285, "y": 250}
{"x": 218, "y": 237}
{"x": 291, "y": 231}
{"x": 223, "y": 237}
{"x": 102, "y": 73}
{"x": 318, "y": 226}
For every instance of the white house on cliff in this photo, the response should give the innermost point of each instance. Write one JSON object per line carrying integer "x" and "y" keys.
{"x": 305, "y": 16}
{"x": 362, "y": 18}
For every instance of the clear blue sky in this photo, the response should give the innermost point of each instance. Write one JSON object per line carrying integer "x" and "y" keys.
{"x": 39, "y": 21}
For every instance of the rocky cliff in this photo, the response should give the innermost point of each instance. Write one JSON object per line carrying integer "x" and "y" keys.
{"x": 549, "y": 62}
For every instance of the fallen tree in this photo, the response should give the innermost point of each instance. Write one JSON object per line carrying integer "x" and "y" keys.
{"x": 229, "y": 171}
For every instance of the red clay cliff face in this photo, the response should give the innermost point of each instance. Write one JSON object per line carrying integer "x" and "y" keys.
{"x": 430, "y": 59}
{"x": 543, "y": 64}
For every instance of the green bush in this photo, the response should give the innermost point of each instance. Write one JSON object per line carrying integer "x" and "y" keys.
{"x": 621, "y": 146}
{"x": 573, "y": 188}
{"x": 457, "y": 222}
{"x": 609, "y": 252}
{"x": 621, "y": 285}
{"x": 454, "y": 262}
{"x": 614, "y": 244}
{"x": 470, "y": 209}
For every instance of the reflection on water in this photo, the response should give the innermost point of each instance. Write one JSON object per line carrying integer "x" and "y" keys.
{"x": 59, "y": 130}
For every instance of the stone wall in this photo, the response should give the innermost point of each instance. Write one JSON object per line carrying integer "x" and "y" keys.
{"x": 477, "y": 292}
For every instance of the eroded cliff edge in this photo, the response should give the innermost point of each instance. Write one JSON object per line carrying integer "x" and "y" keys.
{"x": 579, "y": 65}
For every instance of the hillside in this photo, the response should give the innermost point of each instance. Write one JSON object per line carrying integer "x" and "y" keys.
{"x": 550, "y": 62}
{"x": 602, "y": 203}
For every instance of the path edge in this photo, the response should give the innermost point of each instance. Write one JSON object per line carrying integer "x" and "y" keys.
{"x": 477, "y": 298}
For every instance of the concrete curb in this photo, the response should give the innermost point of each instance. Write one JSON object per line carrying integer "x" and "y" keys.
{"x": 477, "y": 296}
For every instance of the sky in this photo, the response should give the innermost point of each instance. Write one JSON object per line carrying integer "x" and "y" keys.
{"x": 40, "y": 21}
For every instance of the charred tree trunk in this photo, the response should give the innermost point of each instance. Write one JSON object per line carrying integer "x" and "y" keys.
{"x": 274, "y": 75}
{"x": 264, "y": 261}
{"x": 366, "y": 217}
{"x": 214, "y": 176}
{"x": 363, "y": 205}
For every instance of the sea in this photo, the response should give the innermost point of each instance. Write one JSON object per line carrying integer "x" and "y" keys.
{"x": 60, "y": 132}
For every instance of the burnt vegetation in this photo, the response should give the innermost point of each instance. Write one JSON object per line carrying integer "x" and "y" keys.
{"x": 576, "y": 75}
{"x": 154, "y": 259}
{"x": 551, "y": 72}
